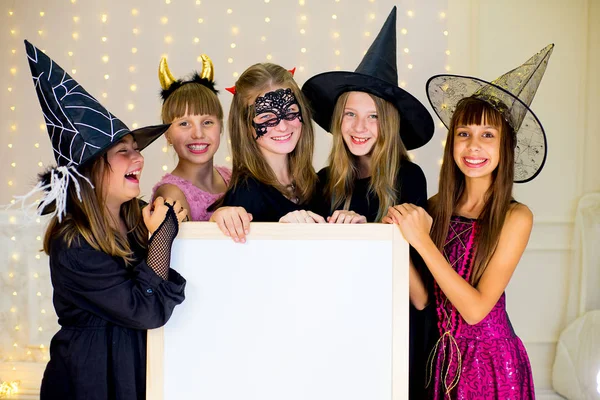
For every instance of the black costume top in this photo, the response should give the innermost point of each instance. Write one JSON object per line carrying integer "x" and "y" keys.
{"x": 264, "y": 202}
{"x": 104, "y": 308}
{"x": 410, "y": 183}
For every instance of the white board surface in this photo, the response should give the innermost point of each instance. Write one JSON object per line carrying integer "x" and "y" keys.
{"x": 282, "y": 319}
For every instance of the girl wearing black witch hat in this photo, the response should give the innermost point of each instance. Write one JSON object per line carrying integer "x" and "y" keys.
{"x": 110, "y": 282}
{"x": 374, "y": 123}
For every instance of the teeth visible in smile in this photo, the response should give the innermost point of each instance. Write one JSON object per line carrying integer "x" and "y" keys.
{"x": 281, "y": 138}
{"x": 360, "y": 140}
{"x": 475, "y": 160}
{"x": 197, "y": 147}
{"x": 134, "y": 174}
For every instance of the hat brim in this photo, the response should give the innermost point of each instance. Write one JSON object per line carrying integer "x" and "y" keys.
{"x": 323, "y": 91}
{"x": 445, "y": 91}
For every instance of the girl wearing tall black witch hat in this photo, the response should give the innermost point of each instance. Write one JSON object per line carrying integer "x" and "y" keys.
{"x": 110, "y": 282}
{"x": 374, "y": 123}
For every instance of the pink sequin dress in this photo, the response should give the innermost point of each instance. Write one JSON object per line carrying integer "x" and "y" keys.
{"x": 198, "y": 199}
{"x": 484, "y": 361}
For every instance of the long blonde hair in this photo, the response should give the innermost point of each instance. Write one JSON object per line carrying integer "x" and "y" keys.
{"x": 247, "y": 158}
{"x": 386, "y": 157}
{"x": 90, "y": 219}
{"x": 471, "y": 111}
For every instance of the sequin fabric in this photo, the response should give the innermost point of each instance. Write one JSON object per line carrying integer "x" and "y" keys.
{"x": 484, "y": 361}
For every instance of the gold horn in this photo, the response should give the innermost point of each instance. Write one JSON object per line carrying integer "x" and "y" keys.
{"x": 208, "y": 71}
{"x": 164, "y": 75}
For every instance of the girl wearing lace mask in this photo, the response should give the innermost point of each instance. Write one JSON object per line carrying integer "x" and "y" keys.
{"x": 478, "y": 231}
{"x": 272, "y": 144}
{"x": 111, "y": 283}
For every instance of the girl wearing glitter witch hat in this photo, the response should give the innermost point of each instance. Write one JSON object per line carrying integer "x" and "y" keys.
{"x": 110, "y": 282}
{"x": 196, "y": 117}
{"x": 272, "y": 144}
{"x": 478, "y": 231}
{"x": 374, "y": 122}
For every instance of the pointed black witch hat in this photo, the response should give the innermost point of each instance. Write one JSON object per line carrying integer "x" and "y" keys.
{"x": 377, "y": 74}
{"x": 80, "y": 128}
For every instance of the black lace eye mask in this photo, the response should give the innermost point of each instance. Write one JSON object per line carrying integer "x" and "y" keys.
{"x": 277, "y": 105}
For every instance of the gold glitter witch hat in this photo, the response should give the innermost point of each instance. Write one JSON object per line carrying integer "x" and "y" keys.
{"x": 511, "y": 95}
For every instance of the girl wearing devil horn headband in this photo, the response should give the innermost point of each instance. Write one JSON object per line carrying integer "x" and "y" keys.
{"x": 196, "y": 117}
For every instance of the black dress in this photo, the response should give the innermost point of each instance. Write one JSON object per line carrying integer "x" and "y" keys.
{"x": 264, "y": 202}
{"x": 104, "y": 308}
{"x": 412, "y": 186}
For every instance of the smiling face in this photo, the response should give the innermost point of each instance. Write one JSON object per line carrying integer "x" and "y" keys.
{"x": 360, "y": 123}
{"x": 477, "y": 149}
{"x": 125, "y": 164}
{"x": 195, "y": 138}
{"x": 277, "y": 122}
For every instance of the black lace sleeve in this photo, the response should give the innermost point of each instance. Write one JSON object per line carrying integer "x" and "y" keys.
{"x": 159, "y": 245}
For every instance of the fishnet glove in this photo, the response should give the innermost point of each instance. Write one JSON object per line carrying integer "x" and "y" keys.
{"x": 159, "y": 245}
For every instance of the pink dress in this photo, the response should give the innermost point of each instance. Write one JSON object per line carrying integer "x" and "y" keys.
{"x": 198, "y": 199}
{"x": 485, "y": 361}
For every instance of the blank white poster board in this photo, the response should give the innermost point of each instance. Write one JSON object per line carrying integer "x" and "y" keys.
{"x": 300, "y": 311}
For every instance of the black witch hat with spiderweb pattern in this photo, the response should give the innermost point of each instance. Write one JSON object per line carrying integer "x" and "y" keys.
{"x": 80, "y": 128}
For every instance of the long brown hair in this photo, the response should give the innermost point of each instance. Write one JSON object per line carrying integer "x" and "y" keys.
{"x": 387, "y": 155}
{"x": 90, "y": 219}
{"x": 471, "y": 111}
{"x": 247, "y": 158}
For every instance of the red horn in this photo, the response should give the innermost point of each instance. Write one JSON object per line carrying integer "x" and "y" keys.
{"x": 231, "y": 89}
{"x": 292, "y": 71}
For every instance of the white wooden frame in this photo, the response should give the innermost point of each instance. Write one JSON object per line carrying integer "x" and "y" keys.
{"x": 318, "y": 232}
